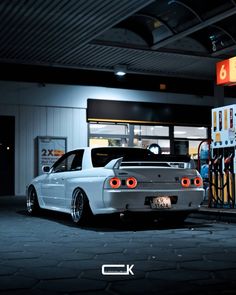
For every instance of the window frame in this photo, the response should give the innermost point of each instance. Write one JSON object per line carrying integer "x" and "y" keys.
{"x": 65, "y": 157}
{"x": 131, "y": 136}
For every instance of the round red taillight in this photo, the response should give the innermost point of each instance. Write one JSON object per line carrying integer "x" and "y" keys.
{"x": 185, "y": 182}
{"x": 198, "y": 181}
{"x": 115, "y": 182}
{"x": 131, "y": 182}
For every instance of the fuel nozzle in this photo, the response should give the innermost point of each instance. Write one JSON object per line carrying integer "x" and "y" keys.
{"x": 228, "y": 163}
{"x": 228, "y": 159}
{"x": 217, "y": 161}
{"x": 212, "y": 163}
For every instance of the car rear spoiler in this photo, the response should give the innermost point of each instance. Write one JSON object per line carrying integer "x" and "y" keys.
{"x": 114, "y": 164}
{"x": 181, "y": 161}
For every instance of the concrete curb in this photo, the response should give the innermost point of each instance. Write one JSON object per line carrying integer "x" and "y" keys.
{"x": 218, "y": 214}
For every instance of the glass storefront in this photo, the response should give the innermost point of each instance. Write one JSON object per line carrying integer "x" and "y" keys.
{"x": 170, "y": 139}
{"x": 108, "y": 135}
{"x": 143, "y": 130}
{"x": 187, "y": 139}
{"x": 190, "y": 132}
{"x": 122, "y": 129}
{"x": 106, "y": 141}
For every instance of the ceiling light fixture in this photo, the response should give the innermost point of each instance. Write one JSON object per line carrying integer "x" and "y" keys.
{"x": 120, "y": 70}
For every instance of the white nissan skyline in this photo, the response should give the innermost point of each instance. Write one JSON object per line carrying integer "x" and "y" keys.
{"x": 91, "y": 181}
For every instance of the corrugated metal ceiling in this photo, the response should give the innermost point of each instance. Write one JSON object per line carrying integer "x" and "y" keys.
{"x": 77, "y": 33}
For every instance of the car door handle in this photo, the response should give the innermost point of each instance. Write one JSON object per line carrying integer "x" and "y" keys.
{"x": 58, "y": 179}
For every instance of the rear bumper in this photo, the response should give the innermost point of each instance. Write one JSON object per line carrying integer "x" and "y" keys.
{"x": 135, "y": 200}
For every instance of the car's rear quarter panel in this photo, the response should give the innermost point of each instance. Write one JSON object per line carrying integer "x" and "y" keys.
{"x": 92, "y": 183}
{"x": 153, "y": 182}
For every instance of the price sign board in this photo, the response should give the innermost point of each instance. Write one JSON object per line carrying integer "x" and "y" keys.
{"x": 50, "y": 149}
{"x": 226, "y": 72}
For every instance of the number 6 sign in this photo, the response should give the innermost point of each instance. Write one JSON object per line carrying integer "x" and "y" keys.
{"x": 226, "y": 72}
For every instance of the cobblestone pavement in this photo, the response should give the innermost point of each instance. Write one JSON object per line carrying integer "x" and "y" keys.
{"x": 48, "y": 254}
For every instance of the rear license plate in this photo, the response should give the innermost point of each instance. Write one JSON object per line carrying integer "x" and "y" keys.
{"x": 161, "y": 203}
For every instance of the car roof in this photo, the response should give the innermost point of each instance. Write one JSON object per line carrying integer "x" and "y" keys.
{"x": 105, "y": 147}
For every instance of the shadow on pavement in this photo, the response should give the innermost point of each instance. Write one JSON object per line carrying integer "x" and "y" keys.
{"x": 113, "y": 222}
{"x": 108, "y": 223}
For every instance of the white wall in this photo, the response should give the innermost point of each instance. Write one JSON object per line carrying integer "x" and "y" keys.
{"x": 60, "y": 110}
{"x": 33, "y": 121}
{"x": 76, "y": 96}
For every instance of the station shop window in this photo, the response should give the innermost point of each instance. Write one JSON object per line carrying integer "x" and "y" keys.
{"x": 164, "y": 144}
{"x": 190, "y": 132}
{"x": 142, "y": 130}
{"x": 188, "y": 139}
{"x": 145, "y": 135}
{"x": 122, "y": 129}
{"x": 171, "y": 139}
{"x": 108, "y": 134}
{"x": 108, "y": 141}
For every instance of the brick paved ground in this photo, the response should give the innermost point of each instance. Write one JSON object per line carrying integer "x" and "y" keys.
{"x": 50, "y": 255}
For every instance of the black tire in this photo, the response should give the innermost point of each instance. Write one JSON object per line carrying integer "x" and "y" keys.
{"x": 80, "y": 208}
{"x": 32, "y": 201}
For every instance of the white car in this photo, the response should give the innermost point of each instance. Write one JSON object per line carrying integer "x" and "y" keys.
{"x": 107, "y": 180}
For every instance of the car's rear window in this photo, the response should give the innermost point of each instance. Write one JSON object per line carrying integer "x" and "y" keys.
{"x": 102, "y": 156}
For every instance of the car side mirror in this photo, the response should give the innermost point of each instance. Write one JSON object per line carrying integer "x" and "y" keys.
{"x": 46, "y": 169}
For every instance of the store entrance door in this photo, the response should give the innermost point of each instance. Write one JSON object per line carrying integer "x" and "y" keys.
{"x": 7, "y": 147}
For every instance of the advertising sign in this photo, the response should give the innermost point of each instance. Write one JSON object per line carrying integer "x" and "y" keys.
{"x": 49, "y": 150}
{"x": 226, "y": 72}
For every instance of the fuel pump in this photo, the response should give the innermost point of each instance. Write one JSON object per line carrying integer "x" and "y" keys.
{"x": 219, "y": 180}
{"x": 229, "y": 192}
{"x": 216, "y": 181}
{"x": 203, "y": 165}
{"x": 212, "y": 185}
{"x": 222, "y": 163}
